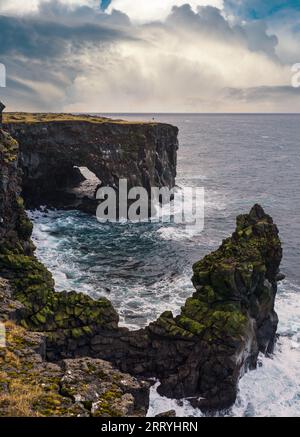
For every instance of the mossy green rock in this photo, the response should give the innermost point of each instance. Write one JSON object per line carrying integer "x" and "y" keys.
{"x": 45, "y": 310}
{"x": 228, "y": 320}
{"x": 230, "y": 281}
{"x": 8, "y": 148}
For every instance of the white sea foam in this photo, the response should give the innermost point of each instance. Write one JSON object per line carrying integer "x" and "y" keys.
{"x": 56, "y": 235}
{"x": 160, "y": 404}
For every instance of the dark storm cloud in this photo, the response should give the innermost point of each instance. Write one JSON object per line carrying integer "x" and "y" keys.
{"x": 57, "y": 28}
{"x": 44, "y": 47}
{"x": 47, "y": 36}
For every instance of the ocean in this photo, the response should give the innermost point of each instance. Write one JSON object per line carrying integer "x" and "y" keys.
{"x": 145, "y": 269}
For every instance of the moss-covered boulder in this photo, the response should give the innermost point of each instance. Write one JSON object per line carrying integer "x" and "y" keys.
{"x": 66, "y": 318}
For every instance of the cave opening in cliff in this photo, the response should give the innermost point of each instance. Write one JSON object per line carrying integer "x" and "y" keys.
{"x": 88, "y": 183}
{"x": 88, "y": 174}
{"x": 69, "y": 186}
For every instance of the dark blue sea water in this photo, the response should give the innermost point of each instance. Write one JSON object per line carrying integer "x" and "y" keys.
{"x": 145, "y": 269}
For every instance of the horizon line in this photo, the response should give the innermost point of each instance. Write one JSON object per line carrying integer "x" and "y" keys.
{"x": 197, "y": 113}
{"x": 151, "y": 113}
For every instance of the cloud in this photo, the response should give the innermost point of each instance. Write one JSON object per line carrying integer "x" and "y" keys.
{"x": 262, "y": 93}
{"x": 142, "y": 11}
{"x": 75, "y": 57}
{"x": 21, "y": 7}
{"x": 181, "y": 65}
{"x": 45, "y": 50}
{"x": 279, "y": 17}
{"x": 59, "y": 29}
{"x": 253, "y": 34}
{"x": 264, "y": 99}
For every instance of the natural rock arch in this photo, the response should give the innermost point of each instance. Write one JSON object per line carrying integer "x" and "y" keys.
{"x": 143, "y": 153}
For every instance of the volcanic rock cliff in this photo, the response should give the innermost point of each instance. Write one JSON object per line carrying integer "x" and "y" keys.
{"x": 53, "y": 147}
{"x": 29, "y": 385}
{"x": 15, "y": 227}
{"x": 199, "y": 354}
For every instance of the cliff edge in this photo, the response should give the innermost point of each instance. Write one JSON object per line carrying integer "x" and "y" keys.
{"x": 54, "y": 146}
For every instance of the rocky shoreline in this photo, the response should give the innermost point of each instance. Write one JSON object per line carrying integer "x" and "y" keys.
{"x": 199, "y": 354}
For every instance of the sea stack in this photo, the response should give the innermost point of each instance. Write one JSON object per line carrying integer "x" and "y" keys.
{"x": 228, "y": 321}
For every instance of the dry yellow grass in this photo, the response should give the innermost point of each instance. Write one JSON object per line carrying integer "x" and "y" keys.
{"x": 19, "y": 399}
{"x": 14, "y": 330}
{"x": 27, "y": 117}
{"x": 12, "y": 358}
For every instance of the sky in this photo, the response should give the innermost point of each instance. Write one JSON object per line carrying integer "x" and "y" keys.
{"x": 150, "y": 55}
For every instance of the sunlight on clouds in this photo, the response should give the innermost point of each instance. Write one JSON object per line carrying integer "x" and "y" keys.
{"x": 149, "y": 10}
{"x": 176, "y": 72}
{"x": 18, "y": 6}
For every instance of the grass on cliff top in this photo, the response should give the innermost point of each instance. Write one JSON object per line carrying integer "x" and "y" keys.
{"x": 27, "y": 117}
